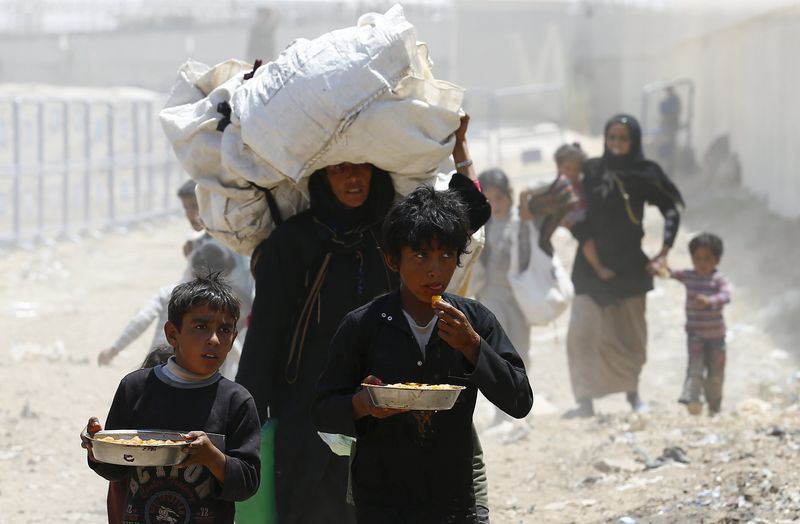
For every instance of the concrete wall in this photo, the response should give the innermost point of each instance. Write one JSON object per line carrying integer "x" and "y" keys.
{"x": 746, "y": 87}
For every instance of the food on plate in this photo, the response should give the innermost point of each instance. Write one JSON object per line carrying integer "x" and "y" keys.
{"x": 417, "y": 385}
{"x": 137, "y": 441}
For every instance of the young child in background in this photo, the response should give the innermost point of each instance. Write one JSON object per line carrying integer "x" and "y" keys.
{"x": 558, "y": 203}
{"x": 495, "y": 258}
{"x": 707, "y": 291}
{"x": 208, "y": 257}
{"x": 416, "y": 466}
{"x": 201, "y": 260}
{"x": 188, "y": 393}
{"x": 507, "y": 228}
{"x": 569, "y": 163}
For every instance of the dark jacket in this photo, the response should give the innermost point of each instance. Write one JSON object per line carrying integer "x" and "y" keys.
{"x": 340, "y": 252}
{"x": 416, "y": 466}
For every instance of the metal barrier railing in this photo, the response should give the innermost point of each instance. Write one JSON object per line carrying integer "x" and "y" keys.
{"x": 71, "y": 165}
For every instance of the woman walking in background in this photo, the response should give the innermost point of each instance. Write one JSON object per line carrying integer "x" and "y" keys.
{"x": 507, "y": 220}
{"x": 607, "y": 336}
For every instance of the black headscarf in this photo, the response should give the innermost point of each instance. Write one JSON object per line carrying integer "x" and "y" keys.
{"x": 342, "y": 219}
{"x": 634, "y": 163}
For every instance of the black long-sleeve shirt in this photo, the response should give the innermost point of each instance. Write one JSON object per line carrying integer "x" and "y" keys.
{"x": 416, "y": 464}
{"x": 149, "y": 399}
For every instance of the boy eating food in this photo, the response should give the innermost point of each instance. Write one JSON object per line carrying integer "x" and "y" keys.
{"x": 416, "y": 466}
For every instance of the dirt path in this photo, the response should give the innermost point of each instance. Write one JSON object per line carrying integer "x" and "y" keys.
{"x": 742, "y": 464}
{"x": 60, "y": 305}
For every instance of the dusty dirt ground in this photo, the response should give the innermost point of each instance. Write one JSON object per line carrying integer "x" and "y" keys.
{"x": 60, "y": 305}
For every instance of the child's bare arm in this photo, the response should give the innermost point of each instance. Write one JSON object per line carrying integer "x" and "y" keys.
{"x": 590, "y": 252}
{"x": 202, "y": 451}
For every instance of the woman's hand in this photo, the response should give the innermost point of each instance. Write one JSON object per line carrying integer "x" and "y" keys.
{"x": 603, "y": 273}
{"x": 92, "y": 427}
{"x": 658, "y": 266}
{"x": 461, "y": 151}
{"x": 363, "y": 406}
{"x": 455, "y": 329}
{"x": 461, "y": 132}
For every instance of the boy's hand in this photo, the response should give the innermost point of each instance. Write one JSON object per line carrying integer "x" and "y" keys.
{"x": 92, "y": 427}
{"x": 701, "y": 300}
{"x": 363, "y": 406}
{"x": 202, "y": 451}
{"x": 455, "y": 329}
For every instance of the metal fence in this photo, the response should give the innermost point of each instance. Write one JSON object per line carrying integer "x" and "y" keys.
{"x": 72, "y": 165}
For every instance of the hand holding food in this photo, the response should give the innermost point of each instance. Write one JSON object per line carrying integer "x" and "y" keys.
{"x": 455, "y": 329}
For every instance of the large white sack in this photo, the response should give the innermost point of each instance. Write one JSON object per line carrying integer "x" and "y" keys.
{"x": 190, "y": 117}
{"x": 233, "y": 209}
{"x": 364, "y": 94}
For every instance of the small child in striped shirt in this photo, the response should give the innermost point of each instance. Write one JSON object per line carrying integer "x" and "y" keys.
{"x": 707, "y": 291}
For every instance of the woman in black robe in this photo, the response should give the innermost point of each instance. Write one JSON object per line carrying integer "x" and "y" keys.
{"x": 310, "y": 272}
{"x": 607, "y": 335}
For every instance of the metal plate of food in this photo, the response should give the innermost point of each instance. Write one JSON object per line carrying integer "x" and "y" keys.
{"x": 413, "y": 396}
{"x": 138, "y": 448}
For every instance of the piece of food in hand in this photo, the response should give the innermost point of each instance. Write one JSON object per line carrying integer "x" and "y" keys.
{"x": 435, "y": 299}
{"x": 663, "y": 272}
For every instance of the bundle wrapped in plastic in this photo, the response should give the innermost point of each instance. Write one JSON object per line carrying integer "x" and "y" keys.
{"x": 363, "y": 94}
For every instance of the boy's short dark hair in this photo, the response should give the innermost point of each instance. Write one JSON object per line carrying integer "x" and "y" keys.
{"x": 707, "y": 240}
{"x": 424, "y": 215}
{"x": 187, "y": 189}
{"x": 211, "y": 290}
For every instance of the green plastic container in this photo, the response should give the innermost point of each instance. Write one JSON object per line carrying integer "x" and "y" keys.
{"x": 260, "y": 508}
